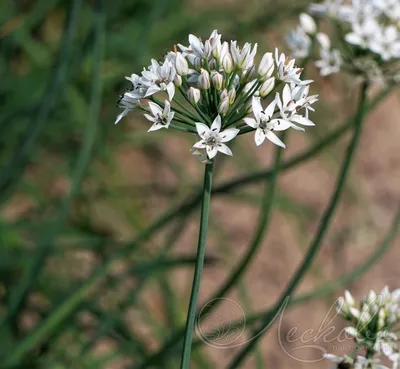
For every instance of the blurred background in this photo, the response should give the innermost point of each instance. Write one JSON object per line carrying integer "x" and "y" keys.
{"x": 82, "y": 285}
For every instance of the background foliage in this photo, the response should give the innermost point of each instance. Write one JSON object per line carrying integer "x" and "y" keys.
{"x": 82, "y": 283}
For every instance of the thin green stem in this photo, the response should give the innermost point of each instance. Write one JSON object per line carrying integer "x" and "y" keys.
{"x": 201, "y": 251}
{"x": 319, "y": 237}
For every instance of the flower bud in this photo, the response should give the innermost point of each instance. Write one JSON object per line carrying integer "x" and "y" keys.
{"x": 323, "y": 40}
{"x": 307, "y": 23}
{"x": 232, "y": 95}
{"x": 194, "y": 95}
{"x": 204, "y": 79}
{"x": 217, "y": 80}
{"x": 223, "y": 94}
{"x": 355, "y": 312}
{"x": 212, "y": 64}
{"x": 267, "y": 87}
{"x": 181, "y": 64}
{"x": 267, "y": 65}
{"x": 227, "y": 63}
{"x": 223, "y": 106}
{"x": 349, "y": 298}
{"x": 178, "y": 80}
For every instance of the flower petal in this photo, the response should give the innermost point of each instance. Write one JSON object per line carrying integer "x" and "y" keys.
{"x": 274, "y": 139}
{"x": 259, "y": 137}
{"x": 286, "y": 95}
{"x": 280, "y": 124}
{"x": 224, "y": 149}
{"x": 150, "y": 118}
{"x": 171, "y": 90}
{"x": 200, "y": 145}
{"x": 202, "y": 129}
{"x": 251, "y": 122}
{"x": 120, "y": 116}
{"x": 216, "y": 125}
{"x": 153, "y": 89}
{"x": 257, "y": 107}
{"x": 228, "y": 134}
{"x": 302, "y": 120}
{"x": 155, "y": 108}
{"x": 156, "y": 127}
{"x": 211, "y": 151}
{"x": 269, "y": 111}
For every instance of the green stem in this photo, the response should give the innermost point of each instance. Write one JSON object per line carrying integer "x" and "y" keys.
{"x": 318, "y": 239}
{"x": 201, "y": 250}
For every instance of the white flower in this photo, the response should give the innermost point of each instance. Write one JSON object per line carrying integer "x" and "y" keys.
{"x": 386, "y": 43}
{"x": 330, "y": 62}
{"x": 244, "y": 59}
{"x": 128, "y": 102}
{"x": 212, "y": 139}
{"x": 288, "y": 109}
{"x": 264, "y": 124}
{"x": 159, "y": 78}
{"x": 160, "y": 118}
{"x": 287, "y": 71}
{"x": 299, "y": 42}
{"x": 363, "y": 32}
{"x": 307, "y": 23}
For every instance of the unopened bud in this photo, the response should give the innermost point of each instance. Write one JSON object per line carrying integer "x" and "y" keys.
{"x": 232, "y": 95}
{"x": 217, "y": 80}
{"x": 267, "y": 87}
{"x": 349, "y": 298}
{"x": 267, "y": 65}
{"x": 223, "y": 106}
{"x": 227, "y": 63}
{"x": 307, "y": 23}
{"x": 323, "y": 40}
{"x": 194, "y": 95}
{"x": 223, "y": 94}
{"x": 204, "y": 80}
{"x": 181, "y": 64}
{"x": 178, "y": 80}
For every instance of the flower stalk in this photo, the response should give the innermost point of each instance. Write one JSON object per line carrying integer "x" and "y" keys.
{"x": 201, "y": 251}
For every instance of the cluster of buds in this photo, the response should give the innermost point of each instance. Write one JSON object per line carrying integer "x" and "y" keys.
{"x": 210, "y": 89}
{"x": 373, "y": 321}
{"x": 367, "y": 34}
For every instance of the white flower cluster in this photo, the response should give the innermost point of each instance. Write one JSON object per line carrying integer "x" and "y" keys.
{"x": 372, "y": 325}
{"x": 211, "y": 87}
{"x": 368, "y": 36}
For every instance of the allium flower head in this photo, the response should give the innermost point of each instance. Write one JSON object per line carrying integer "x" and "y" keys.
{"x": 210, "y": 87}
{"x": 371, "y": 324}
{"x": 367, "y": 33}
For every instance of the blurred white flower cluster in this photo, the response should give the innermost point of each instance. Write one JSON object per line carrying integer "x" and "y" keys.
{"x": 367, "y": 37}
{"x": 373, "y": 323}
{"x": 209, "y": 88}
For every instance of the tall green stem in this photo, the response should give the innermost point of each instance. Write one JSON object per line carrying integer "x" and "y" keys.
{"x": 318, "y": 239}
{"x": 201, "y": 251}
